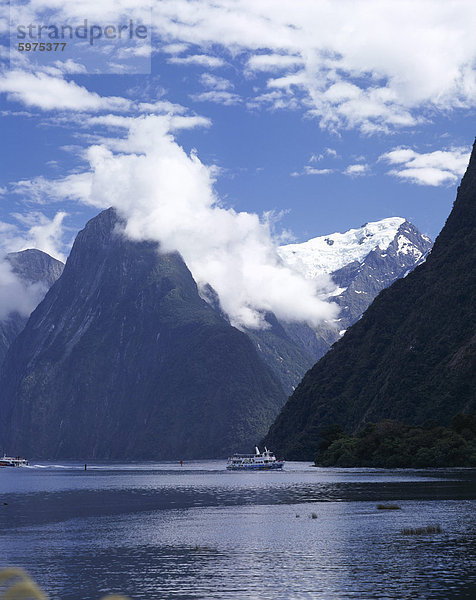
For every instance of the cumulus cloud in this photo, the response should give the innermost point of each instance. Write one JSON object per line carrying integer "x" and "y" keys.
{"x": 441, "y": 167}
{"x": 349, "y": 66}
{"x": 356, "y": 170}
{"x": 375, "y": 70}
{"x": 167, "y": 195}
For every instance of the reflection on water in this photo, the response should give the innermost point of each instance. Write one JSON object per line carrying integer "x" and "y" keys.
{"x": 158, "y": 531}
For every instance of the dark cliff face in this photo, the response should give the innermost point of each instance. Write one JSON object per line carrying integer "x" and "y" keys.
{"x": 123, "y": 359}
{"x": 411, "y": 357}
{"x": 31, "y": 266}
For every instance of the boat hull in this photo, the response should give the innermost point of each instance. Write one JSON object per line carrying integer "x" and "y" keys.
{"x": 270, "y": 467}
{"x": 6, "y": 462}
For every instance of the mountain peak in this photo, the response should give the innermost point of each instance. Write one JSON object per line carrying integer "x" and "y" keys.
{"x": 124, "y": 359}
{"x": 35, "y": 266}
{"x": 329, "y": 253}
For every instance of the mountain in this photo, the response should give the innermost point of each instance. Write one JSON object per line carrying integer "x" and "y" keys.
{"x": 412, "y": 355}
{"x": 124, "y": 359}
{"x": 286, "y": 355}
{"x": 362, "y": 262}
{"x": 35, "y": 266}
{"x": 36, "y": 270}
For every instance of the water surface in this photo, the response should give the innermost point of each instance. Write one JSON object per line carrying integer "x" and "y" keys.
{"x": 162, "y": 531}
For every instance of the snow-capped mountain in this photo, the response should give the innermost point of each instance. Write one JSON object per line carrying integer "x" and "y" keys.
{"x": 329, "y": 253}
{"x": 362, "y": 262}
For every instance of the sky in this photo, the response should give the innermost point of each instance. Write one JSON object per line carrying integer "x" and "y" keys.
{"x": 223, "y": 128}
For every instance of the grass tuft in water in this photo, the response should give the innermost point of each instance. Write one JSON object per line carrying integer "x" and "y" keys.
{"x": 313, "y": 516}
{"x": 422, "y": 530}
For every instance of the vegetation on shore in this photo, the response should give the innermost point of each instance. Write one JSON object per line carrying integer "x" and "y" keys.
{"x": 390, "y": 444}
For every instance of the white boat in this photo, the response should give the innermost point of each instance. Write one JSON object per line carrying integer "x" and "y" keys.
{"x": 13, "y": 461}
{"x": 259, "y": 461}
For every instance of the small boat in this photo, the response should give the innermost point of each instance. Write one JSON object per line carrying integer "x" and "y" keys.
{"x": 259, "y": 461}
{"x": 10, "y": 461}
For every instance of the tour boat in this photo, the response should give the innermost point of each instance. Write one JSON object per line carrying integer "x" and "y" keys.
{"x": 9, "y": 461}
{"x": 263, "y": 461}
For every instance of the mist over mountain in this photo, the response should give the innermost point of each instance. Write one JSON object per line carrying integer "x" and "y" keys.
{"x": 123, "y": 358}
{"x": 411, "y": 357}
{"x": 25, "y": 277}
{"x": 361, "y": 263}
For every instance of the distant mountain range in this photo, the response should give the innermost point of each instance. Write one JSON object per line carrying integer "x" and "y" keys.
{"x": 411, "y": 357}
{"x": 31, "y": 267}
{"x": 123, "y": 358}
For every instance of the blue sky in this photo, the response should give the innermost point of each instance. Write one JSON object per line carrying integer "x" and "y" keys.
{"x": 320, "y": 115}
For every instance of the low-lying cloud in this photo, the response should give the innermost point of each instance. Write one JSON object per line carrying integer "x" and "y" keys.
{"x": 17, "y": 295}
{"x": 167, "y": 195}
{"x": 34, "y": 230}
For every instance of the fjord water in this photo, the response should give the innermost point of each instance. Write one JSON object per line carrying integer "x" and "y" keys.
{"x": 158, "y": 531}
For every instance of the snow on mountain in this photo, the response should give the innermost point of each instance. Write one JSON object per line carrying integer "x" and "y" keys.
{"x": 362, "y": 262}
{"x": 329, "y": 253}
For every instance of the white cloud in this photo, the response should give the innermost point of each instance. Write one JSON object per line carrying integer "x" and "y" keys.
{"x": 54, "y": 93}
{"x": 308, "y": 170}
{"x": 174, "y": 123}
{"x": 316, "y": 157}
{"x": 174, "y": 48}
{"x": 375, "y": 70}
{"x": 70, "y": 66}
{"x": 215, "y": 83}
{"x": 217, "y": 97}
{"x": 275, "y": 100}
{"x": 161, "y": 107}
{"x": 432, "y": 168}
{"x": 273, "y": 62}
{"x": 356, "y": 170}
{"x": 34, "y": 230}
{"x": 167, "y": 196}
{"x": 202, "y": 60}
{"x": 16, "y": 295}
{"x": 44, "y": 191}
